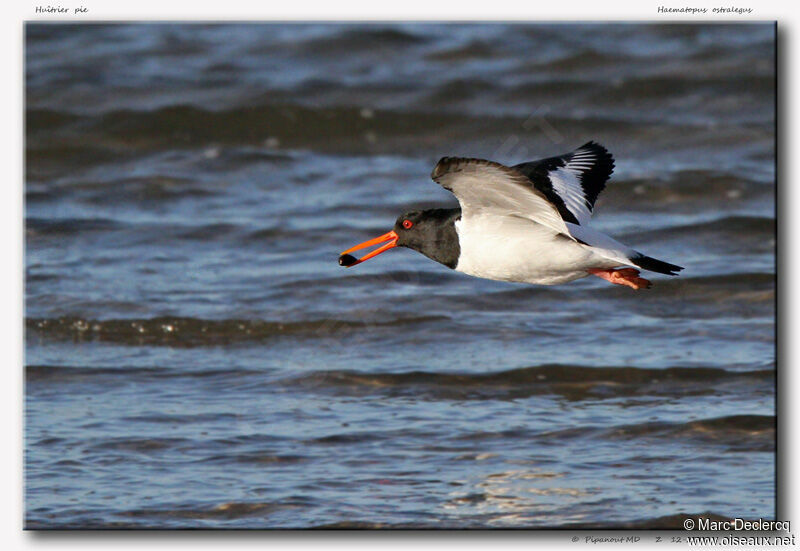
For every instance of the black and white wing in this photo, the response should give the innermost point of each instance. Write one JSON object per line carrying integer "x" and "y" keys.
{"x": 489, "y": 188}
{"x": 572, "y": 182}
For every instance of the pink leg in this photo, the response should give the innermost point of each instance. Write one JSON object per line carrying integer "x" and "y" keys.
{"x": 622, "y": 276}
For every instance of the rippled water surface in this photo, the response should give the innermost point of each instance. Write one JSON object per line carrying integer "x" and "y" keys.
{"x": 195, "y": 357}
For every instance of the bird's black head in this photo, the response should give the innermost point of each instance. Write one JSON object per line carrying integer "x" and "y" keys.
{"x": 431, "y": 232}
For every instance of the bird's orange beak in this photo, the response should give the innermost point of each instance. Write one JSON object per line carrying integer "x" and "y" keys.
{"x": 347, "y": 260}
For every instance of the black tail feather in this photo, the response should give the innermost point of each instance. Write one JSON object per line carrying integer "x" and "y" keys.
{"x": 655, "y": 265}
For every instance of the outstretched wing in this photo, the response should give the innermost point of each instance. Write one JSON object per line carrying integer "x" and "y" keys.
{"x": 572, "y": 181}
{"x": 486, "y": 187}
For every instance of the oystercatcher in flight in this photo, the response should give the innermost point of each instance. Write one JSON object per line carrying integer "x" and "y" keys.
{"x": 528, "y": 223}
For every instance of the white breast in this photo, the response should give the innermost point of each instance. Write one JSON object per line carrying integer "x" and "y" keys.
{"x": 511, "y": 248}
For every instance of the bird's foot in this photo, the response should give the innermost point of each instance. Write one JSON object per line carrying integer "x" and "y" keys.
{"x": 622, "y": 276}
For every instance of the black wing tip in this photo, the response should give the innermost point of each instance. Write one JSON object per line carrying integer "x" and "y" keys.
{"x": 591, "y": 144}
{"x": 655, "y": 265}
{"x": 604, "y": 158}
{"x": 593, "y": 180}
{"x": 596, "y": 147}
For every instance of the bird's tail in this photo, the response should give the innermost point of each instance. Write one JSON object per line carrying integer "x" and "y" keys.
{"x": 655, "y": 265}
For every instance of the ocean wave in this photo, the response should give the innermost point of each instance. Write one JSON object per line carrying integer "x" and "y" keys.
{"x": 667, "y": 522}
{"x": 122, "y": 133}
{"x": 230, "y": 510}
{"x": 570, "y": 381}
{"x": 730, "y": 235}
{"x": 69, "y": 226}
{"x": 734, "y": 433}
{"x": 130, "y": 190}
{"x": 474, "y": 49}
{"x": 682, "y": 186}
{"x": 728, "y": 292}
{"x": 749, "y": 228}
{"x": 176, "y": 331}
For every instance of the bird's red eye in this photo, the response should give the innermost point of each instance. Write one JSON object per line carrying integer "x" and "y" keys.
{"x": 407, "y": 224}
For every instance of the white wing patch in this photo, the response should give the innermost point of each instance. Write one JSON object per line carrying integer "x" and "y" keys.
{"x": 566, "y": 183}
{"x": 488, "y": 188}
